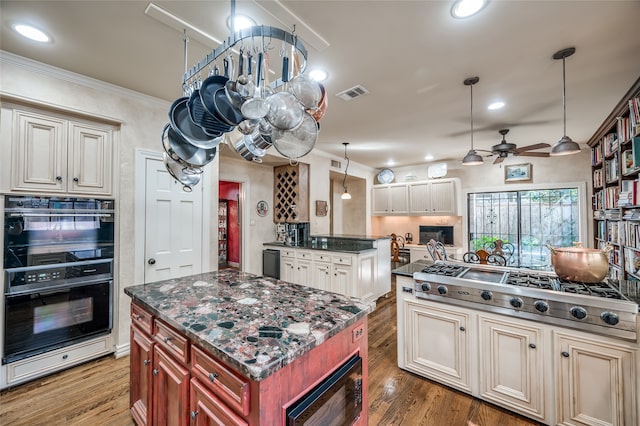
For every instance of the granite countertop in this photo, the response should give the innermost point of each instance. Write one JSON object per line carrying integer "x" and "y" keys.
{"x": 255, "y": 324}
{"x": 343, "y": 248}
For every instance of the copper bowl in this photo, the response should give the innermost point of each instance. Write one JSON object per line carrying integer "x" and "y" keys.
{"x": 580, "y": 264}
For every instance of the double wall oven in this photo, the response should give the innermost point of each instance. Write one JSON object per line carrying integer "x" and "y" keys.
{"x": 58, "y": 273}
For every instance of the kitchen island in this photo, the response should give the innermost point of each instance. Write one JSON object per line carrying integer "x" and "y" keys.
{"x": 352, "y": 265}
{"x": 238, "y": 348}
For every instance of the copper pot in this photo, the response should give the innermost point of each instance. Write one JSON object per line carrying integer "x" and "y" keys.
{"x": 580, "y": 264}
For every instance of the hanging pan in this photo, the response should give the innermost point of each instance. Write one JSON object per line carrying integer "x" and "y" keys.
{"x": 188, "y": 131}
{"x": 185, "y": 153}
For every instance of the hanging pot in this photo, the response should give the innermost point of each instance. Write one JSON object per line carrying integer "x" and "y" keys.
{"x": 318, "y": 113}
{"x": 247, "y": 150}
{"x": 184, "y": 152}
{"x": 580, "y": 264}
{"x": 202, "y": 118}
{"x": 179, "y": 173}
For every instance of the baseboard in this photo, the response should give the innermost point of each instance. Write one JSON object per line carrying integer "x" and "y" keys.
{"x": 122, "y": 350}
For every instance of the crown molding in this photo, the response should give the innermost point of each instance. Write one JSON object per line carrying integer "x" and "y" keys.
{"x": 72, "y": 77}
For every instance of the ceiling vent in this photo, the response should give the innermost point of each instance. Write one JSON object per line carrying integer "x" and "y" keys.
{"x": 336, "y": 164}
{"x": 354, "y": 92}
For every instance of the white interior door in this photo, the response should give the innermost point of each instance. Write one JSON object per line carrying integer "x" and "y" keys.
{"x": 173, "y": 225}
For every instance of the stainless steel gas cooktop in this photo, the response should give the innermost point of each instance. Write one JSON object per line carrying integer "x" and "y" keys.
{"x": 529, "y": 294}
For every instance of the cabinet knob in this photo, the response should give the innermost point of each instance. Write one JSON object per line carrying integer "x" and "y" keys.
{"x": 213, "y": 376}
{"x": 532, "y": 345}
{"x": 155, "y": 371}
{"x": 166, "y": 339}
{"x": 462, "y": 329}
{"x": 59, "y": 178}
{"x": 193, "y": 414}
{"x": 75, "y": 179}
{"x": 65, "y": 356}
{"x": 151, "y": 261}
{"x": 137, "y": 317}
{"x": 565, "y": 354}
{"x": 146, "y": 362}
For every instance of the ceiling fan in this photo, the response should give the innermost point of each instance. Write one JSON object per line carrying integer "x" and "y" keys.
{"x": 504, "y": 148}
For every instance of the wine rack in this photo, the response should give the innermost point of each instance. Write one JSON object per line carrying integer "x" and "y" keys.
{"x": 291, "y": 193}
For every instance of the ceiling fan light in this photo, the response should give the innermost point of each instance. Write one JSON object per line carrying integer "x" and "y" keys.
{"x": 472, "y": 158}
{"x": 565, "y": 146}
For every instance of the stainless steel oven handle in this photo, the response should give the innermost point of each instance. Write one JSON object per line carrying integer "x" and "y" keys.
{"x": 60, "y": 215}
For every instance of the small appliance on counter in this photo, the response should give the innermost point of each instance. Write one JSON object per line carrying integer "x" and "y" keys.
{"x": 408, "y": 238}
{"x": 292, "y": 234}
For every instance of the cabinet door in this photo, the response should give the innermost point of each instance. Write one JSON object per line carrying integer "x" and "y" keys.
{"x": 342, "y": 279}
{"x": 419, "y": 254}
{"x": 141, "y": 360}
{"x": 399, "y": 199}
{"x": 596, "y": 382}
{"x": 90, "y": 159}
{"x": 322, "y": 276}
{"x": 304, "y": 273}
{"x": 437, "y": 343}
{"x": 170, "y": 390}
{"x": 443, "y": 198}
{"x": 380, "y": 196}
{"x": 288, "y": 269}
{"x": 419, "y": 197}
{"x": 208, "y": 410}
{"x": 511, "y": 366}
{"x": 39, "y": 153}
{"x": 363, "y": 285}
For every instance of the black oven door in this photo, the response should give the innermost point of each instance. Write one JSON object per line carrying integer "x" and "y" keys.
{"x": 44, "y": 320}
{"x": 336, "y": 401}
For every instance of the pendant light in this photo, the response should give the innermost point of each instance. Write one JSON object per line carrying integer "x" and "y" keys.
{"x": 565, "y": 145}
{"x": 472, "y": 158}
{"x": 345, "y": 195}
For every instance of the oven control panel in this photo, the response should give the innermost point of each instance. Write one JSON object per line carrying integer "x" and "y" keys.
{"x": 19, "y": 280}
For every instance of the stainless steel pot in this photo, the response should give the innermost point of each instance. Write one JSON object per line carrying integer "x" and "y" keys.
{"x": 183, "y": 152}
{"x": 580, "y": 264}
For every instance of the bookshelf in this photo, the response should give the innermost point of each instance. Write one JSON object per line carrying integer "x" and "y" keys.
{"x": 615, "y": 167}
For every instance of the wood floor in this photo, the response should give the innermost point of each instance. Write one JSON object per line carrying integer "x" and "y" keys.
{"x": 97, "y": 393}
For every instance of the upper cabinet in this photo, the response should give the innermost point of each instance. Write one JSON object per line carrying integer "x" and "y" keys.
{"x": 291, "y": 193}
{"x": 434, "y": 197}
{"x": 390, "y": 199}
{"x": 52, "y": 153}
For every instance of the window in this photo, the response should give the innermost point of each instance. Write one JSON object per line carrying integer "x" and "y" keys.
{"x": 527, "y": 219}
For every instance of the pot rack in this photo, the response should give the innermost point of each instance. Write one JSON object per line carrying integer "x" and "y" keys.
{"x": 235, "y": 37}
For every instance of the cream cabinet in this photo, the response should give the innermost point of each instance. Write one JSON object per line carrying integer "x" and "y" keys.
{"x": 433, "y": 198}
{"x": 511, "y": 364}
{"x": 596, "y": 381}
{"x": 390, "y": 199}
{"x": 437, "y": 343}
{"x": 54, "y": 154}
{"x": 353, "y": 275}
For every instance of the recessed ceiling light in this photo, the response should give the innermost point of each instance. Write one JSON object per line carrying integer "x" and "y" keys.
{"x": 31, "y": 33}
{"x": 467, "y": 8}
{"x": 318, "y": 75}
{"x": 391, "y": 163}
{"x": 240, "y": 22}
{"x": 428, "y": 157}
{"x": 496, "y": 105}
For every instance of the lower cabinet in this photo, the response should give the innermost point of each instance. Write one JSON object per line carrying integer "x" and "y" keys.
{"x": 551, "y": 374}
{"x": 141, "y": 360}
{"x": 511, "y": 365}
{"x": 207, "y": 409}
{"x": 170, "y": 390}
{"x": 596, "y": 381}
{"x": 437, "y": 344}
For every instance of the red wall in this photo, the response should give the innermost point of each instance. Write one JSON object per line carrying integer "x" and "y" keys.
{"x": 230, "y": 191}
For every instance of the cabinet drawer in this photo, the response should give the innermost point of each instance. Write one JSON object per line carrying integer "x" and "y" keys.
{"x": 229, "y": 386}
{"x": 172, "y": 341}
{"x": 303, "y": 255}
{"x": 288, "y": 253}
{"x": 321, "y": 258}
{"x": 205, "y": 403}
{"x": 142, "y": 318}
{"x": 342, "y": 260}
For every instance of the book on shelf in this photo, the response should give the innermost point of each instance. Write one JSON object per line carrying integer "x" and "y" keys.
{"x": 628, "y": 193}
{"x": 632, "y": 261}
{"x": 629, "y": 162}
{"x": 631, "y": 214}
{"x": 611, "y": 169}
{"x": 596, "y": 155}
{"x": 598, "y": 180}
{"x": 612, "y": 214}
{"x": 610, "y": 143}
{"x": 634, "y": 115}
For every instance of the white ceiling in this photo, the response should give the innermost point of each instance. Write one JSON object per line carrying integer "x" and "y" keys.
{"x": 411, "y": 55}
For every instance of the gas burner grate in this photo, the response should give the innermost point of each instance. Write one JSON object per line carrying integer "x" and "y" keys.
{"x": 447, "y": 270}
{"x": 524, "y": 279}
{"x": 589, "y": 289}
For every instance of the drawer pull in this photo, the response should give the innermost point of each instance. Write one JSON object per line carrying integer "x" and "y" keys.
{"x": 146, "y": 362}
{"x": 462, "y": 329}
{"x": 166, "y": 339}
{"x": 193, "y": 414}
{"x": 213, "y": 376}
{"x": 565, "y": 354}
{"x": 532, "y": 345}
{"x": 65, "y": 356}
{"x": 155, "y": 371}
{"x": 137, "y": 317}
